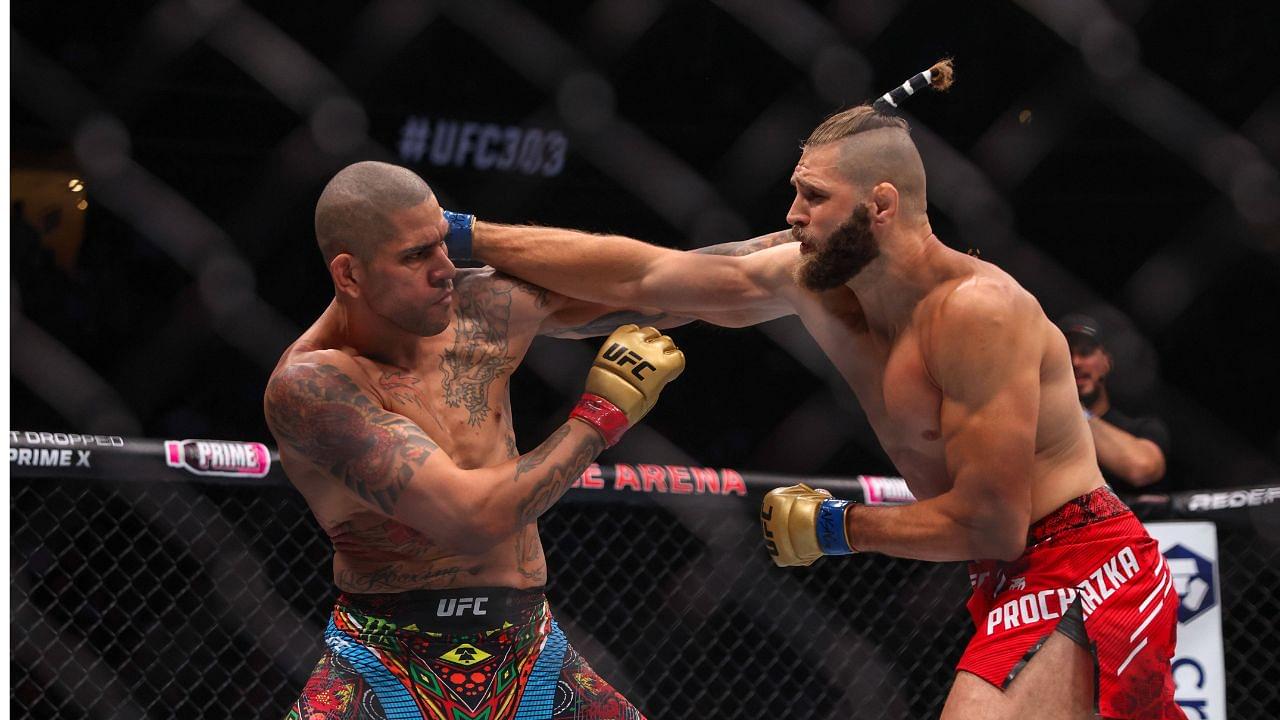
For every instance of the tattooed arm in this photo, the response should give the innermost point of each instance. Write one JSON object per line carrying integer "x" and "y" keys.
{"x": 580, "y": 319}
{"x": 323, "y": 416}
{"x": 746, "y": 247}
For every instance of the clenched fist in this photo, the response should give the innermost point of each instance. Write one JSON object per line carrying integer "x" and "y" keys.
{"x": 624, "y": 381}
{"x": 802, "y": 524}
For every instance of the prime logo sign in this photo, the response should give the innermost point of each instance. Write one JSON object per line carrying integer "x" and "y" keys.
{"x": 218, "y": 457}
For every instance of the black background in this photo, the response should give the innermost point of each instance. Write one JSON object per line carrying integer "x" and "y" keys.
{"x": 1108, "y": 201}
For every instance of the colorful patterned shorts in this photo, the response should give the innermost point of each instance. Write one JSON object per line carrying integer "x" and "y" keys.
{"x": 466, "y": 654}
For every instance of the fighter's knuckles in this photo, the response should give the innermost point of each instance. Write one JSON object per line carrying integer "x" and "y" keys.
{"x": 794, "y": 491}
{"x": 676, "y": 364}
{"x": 667, "y": 365}
{"x": 664, "y": 343}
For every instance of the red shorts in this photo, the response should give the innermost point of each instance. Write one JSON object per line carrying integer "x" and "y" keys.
{"x": 1092, "y": 572}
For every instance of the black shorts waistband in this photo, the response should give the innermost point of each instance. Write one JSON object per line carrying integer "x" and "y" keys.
{"x": 451, "y": 610}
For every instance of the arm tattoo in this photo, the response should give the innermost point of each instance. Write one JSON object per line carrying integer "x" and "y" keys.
{"x": 540, "y": 454}
{"x": 530, "y": 561}
{"x": 553, "y": 481}
{"x": 324, "y": 416}
{"x": 606, "y": 324}
{"x": 540, "y": 299}
{"x": 478, "y": 355}
{"x": 746, "y": 247}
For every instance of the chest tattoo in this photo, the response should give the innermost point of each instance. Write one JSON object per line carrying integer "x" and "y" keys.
{"x": 479, "y": 354}
{"x": 402, "y": 387}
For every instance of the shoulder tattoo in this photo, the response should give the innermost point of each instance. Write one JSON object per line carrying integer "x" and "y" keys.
{"x": 324, "y": 416}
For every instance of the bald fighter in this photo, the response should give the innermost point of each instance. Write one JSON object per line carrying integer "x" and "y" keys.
{"x": 393, "y": 419}
{"x": 970, "y": 389}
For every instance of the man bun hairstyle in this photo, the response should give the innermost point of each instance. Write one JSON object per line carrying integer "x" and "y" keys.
{"x": 939, "y": 77}
{"x": 877, "y": 115}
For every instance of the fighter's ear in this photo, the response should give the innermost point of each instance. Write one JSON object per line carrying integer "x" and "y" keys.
{"x": 884, "y": 202}
{"x": 347, "y": 274}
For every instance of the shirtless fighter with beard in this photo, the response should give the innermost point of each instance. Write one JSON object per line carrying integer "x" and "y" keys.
{"x": 970, "y": 389}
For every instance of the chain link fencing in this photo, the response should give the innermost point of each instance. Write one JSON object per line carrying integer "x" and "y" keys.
{"x": 173, "y": 599}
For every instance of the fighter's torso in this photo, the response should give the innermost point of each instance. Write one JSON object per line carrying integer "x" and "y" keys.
{"x": 903, "y": 403}
{"x": 459, "y": 395}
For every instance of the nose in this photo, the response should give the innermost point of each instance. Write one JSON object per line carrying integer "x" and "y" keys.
{"x": 798, "y": 215}
{"x": 443, "y": 270}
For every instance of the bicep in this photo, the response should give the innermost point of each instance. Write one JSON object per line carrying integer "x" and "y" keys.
{"x": 988, "y": 369}
{"x": 989, "y": 427}
{"x": 326, "y": 419}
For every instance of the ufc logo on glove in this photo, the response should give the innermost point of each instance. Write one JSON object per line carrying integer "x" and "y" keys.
{"x": 621, "y": 356}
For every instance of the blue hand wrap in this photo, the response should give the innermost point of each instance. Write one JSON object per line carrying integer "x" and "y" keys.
{"x": 458, "y": 241}
{"x": 830, "y": 526}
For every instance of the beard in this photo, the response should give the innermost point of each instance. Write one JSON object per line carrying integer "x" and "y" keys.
{"x": 849, "y": 249}
{"x": 421, "y": 323}
{"x": 1088, "y": 399}
{"x": 421, "y": 320}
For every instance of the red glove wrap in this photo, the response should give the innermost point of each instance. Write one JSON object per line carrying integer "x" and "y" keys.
{"x": 603, "y": 415}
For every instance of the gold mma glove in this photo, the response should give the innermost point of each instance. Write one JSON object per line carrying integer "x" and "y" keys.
{"x": 802, "y": 524}
{"x": 624, "y": 381}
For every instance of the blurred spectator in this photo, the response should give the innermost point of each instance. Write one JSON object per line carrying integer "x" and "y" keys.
{"x": 1131, "y": 450}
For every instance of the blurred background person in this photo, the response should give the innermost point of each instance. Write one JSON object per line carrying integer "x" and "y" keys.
{"x": 1131, "y": 450}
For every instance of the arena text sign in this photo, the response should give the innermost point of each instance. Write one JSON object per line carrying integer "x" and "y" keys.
{"x": 1252, "y": 497}
{"x": 482, "y": 146}
{"x": 668, "y": 479}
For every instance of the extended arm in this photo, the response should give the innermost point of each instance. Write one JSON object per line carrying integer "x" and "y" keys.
{"x": 985, "y": 359}
{"x": 1139, "y": 461}
{"x": 621, "y": 272}
{"x": 574, "y": 318}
